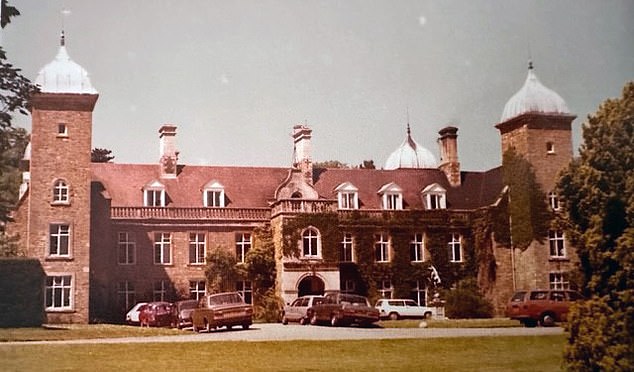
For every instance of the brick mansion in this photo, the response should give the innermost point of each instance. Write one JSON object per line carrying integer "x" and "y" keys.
{"x": 109, "y": 235}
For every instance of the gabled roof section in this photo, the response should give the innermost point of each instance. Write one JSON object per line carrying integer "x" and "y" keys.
{"x": 213, "y": 185}
{"x": 346, "y": 186}
{"x": 390, "y": 187}
{"x": 248, "y": 187}
{"x": 154, "y": 185}
{"x": 434, "y": 188}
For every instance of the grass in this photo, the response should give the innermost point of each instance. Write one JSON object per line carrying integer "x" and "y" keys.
{"x": 531, "y": 353}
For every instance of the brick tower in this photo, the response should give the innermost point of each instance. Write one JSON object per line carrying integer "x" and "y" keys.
{"x": 536, "y": 122}
{"x": 58, "y": 216}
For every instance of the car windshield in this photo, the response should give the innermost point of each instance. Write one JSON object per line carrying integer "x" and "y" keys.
{"x": 228, "y": 298}
{"x": 189, "y": 305}
{"x": 354, "y": 300}
{"x": 518, "y": 297}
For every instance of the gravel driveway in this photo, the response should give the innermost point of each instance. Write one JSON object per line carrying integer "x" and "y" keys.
{"x": 279, "y": 332}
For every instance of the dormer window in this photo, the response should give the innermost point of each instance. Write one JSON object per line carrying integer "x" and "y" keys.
{"x": 550, "y": 148}
{"x": 60, "y": 192}
{"x": 434, "y": 197}
{"x": 347, "y": 196}
{"x": 214, "y": 195}
{"x": 154, "y": 195}
{"x": 391, "y": 196}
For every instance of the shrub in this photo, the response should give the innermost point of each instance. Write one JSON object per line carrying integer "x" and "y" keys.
{"x": 465, "y": 301}
{"x": 268, "y": 307}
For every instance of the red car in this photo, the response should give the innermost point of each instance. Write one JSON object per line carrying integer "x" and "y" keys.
{"x": 543, "y": 307}
{"x": 156, "y": 314}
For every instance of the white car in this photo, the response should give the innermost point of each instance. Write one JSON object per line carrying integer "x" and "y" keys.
{"x": 297, "y": 311}
{"x": 132, "y": 317}
{"x": 402, "y": 308}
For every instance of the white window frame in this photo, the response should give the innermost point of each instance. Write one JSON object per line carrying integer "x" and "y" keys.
{"x": 126, "y": 294}
{"x": 311, "y": 243}
{"x": 243, "y": 245}
{"x": 550, "y": 147}
{"x": 385, "y": 288}
{"x": 347, "y": 248}
{"x": 553, "y": 201}
{"x": 391, "y": 196}
{"x": 61, "y": 192}
{"x": 214, "y": 195}
{"x": 197, "y": 288}
{"x": 434, "y": 197}
{"x": 245, "y": 288}
{"x": 558, "y": 280}
{"x": 348, "y": 286}
{"x": 417, "y": 247}
{"x": 381, "y": 248}
{"x": 557, "y": 244}
{"x": 59, "y": 238}
{"x": 455, "y": 248}
{"x": 347, "y": 196}
{"x": 162, "y": 248}
{"x": 197, "y": 248}
{"x": 420, "y": 293}
{"x": 59, "y": 292}
{"x": 154, "y": 195}
{"x": 62, "y": 130}
{"x": 126, "y": 248}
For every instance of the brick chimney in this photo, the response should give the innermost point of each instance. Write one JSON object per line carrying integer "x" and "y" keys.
{"x": 302, "y": 159}
{"x": 169, "y": 155}
{"x": 449, "y": 163}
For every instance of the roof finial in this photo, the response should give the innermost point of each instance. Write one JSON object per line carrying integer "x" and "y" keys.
{"x": 409, "y": 132}
{"x": 530, "y": 64}
{"x": 64, "y": 12}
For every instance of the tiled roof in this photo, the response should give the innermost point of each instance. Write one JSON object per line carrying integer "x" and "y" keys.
{"x": 254, "y": 187}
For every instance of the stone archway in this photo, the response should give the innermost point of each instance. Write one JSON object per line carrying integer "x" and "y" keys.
{"x": 310, "y": 285}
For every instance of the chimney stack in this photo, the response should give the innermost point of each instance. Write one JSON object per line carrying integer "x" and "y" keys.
{"x": 302, "y": 159}
{"x": 449, "y": 164}
{"x": 169, "y": 155}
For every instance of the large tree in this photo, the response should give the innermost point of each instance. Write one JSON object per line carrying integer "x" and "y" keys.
{"x": 598, "y": 192}
{"x": 15, "y": 91}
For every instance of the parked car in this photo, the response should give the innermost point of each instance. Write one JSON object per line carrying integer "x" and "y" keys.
{"x": 156, "y": 314}
{"x": 343, "y": 309}
{"x": 297, "y": 310}
{"x": 182, "y": 313}
{"x": 225, "y": 309}
{"x": 132, "y": 316}
{"x": 543, "y": 307}
{"x": 402, "y": 308}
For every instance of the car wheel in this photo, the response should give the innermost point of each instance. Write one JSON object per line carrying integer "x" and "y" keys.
{"x": 314, "y": 320}
{"x": 427, "y": 315}
{"x": 394, "y": 316}
{"x": 303, "y": 320}
{"x": 547, "y": 320}
{"x": 246, "y": 326}
{"x": 284, "y": 320}
{"x": 334, "y": 321}
{"x": 229, "y": 326}
{"x": 195, "y": 328}
{"x": 207, "y": 326}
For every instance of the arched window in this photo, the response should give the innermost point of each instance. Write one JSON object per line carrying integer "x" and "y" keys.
{"x": 311, "y": 243}
{"x": 60, "y": 192}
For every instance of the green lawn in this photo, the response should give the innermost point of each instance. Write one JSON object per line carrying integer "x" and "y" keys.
{"x": 543, "y": 353}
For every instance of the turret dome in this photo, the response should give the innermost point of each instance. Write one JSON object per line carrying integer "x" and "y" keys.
{"x": 534, "y": 97}
{"x": 410, "y": 155}
{"x": 62, "y": 75}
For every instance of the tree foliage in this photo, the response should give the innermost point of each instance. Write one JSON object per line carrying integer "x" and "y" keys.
{"x": 221, "y": 270}
{"x": 330, "y": 164}
{"x": 466, "y": 302}
{"x": 598, "y": 192}
{"x": 98, "y": 155}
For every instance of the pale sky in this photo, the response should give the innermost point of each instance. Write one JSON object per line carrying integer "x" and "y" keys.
{"x": 235, "y": 76}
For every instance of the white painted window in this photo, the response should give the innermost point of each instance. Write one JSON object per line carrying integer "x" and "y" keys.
{"x": 347, "y": 196}
{"x": 348, "y": 286}
{"x": 245, "y": 289}
{"x": 61, "y": 194}
{"x": 214, "y": 195}
{"x": 243, "y": 245}
{"x": 347, "y": 246}
{"x": 197, "y": 248}
{"x": 162, "y": 248}
{"x": 154, "y": 195}
{"x": 419, "y": 293}
{"x": 59, "y": 240}
{"x": 553, "y": 201}
{"x": 391, "y": 196}
{"x": 559, "y": 280}
{"x": 381, "y": 248}
{"x": 196, "y": 289}
{"x": 62, "y": 130}
{"x": 385, "y": 288}
{"x": 126, "y": 248}
{"x": 417, "y": 248}
{"x": 455, "y": 248}
{"x": 59, "y": 292}
{"x": 126, "y": 295}
{"x": 161, "y": 287}
{"x": 557, "y": 244}
{"x": 311, "y": 243}
{"x": 434, "y": 197}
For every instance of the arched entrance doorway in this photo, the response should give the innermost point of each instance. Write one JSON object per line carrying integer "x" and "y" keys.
{"x": 310, "y": 285}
